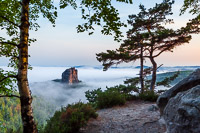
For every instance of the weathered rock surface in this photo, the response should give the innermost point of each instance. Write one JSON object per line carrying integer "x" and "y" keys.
{"x": 182, "y": 113}
{"x": 70, "y": 76}
{"x": 133, "y": 117}
{"x": 191, "y": 81}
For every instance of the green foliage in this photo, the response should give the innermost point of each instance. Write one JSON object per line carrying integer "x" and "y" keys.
{"x": 92, "y": 95}
{"x": 119, "y": 94}
{"x": 123, "y": 88}
{"x": 7, "y": 82}
{"x": 70, "y": 119}
{"x": 147, "y": 32}
{"x": 14, "y": 24}
{"x": 10, "y": 120}
{"x": 194, "y": 8}
{"x": 94, "y": 12}
{"x": 148, "y": 96}
{"x": 101, "y": 13}
{"x": 10, "y": 22}
{"x": 149, "y": 38}
{"x": 167, "y": 80}
{"x": 42, "y": 110}
{"x": 10, "y": 116}
{"x": 181, "y": 75}
{"x": 192, "y": 5}
{"x": 134, "y": 83}
{"x": 164, "y": 79}
{"x": 110, "y": 98}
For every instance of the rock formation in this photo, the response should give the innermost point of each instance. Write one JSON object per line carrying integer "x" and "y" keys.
{"x": 182, "y": 113}
{"x": 189, "y": 82}
{"x": 180, "y": 105}
{"x": 70, "y": 76}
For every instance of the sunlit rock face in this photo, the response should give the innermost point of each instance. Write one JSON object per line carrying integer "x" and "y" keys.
{"x": 70, "y": 76}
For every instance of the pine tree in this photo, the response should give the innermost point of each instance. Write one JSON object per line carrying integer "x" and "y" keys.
{"x": 148, "y": 36}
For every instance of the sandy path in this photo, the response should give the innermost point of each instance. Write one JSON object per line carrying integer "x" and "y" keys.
{"x": 133, "y": 117}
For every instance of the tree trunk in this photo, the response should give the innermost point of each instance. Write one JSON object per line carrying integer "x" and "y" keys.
{"x": 153, "y": 80}
{"x": 141, "y": 70}
{"x": 29, "y": 125}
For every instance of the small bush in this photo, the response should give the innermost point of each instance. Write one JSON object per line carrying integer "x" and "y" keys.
{"x": 113, "y": 96}
{"x": 109, "y": 99}
{"x": 70, "y": 119}
{"x": 92, "y": 95}
{"x": 125, "y": 89}
{"x": 117, "y": 95}
{"x": 148, "y": 96}
{"x": 130, "y": 97}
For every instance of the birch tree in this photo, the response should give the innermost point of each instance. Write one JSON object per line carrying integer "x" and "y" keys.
{"x": 18, "y": 17}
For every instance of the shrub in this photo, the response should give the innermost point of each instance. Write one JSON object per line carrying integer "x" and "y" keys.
{"x": 110, "y": 98}
{"x": 70, "y": 119}
{"x": 113, "y": 96}
{"x": 148, "y": 96}
{"x": 92, "y": 95}
{"x": 117, "y": 95}
{"x": 125, "y": 89}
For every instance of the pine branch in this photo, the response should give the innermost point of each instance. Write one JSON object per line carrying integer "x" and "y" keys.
{"x": 13, "y": 44}
{"x": 10, "y": 76}
{"x": 9, "y": 21}
{"x": 161, "y": 52}
{"x": 10, "y": 96}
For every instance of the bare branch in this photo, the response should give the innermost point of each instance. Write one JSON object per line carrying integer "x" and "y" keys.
{"x": 159, "y": 66}
{"x": 10, "y": 76}
{"x": 9, "y": 21}
{"x": 147, "y": 49}
{"x": 10, "y": 96}
{"x": 13, "y": 44}
{"x": 147, "y": 56}
{"x": 160, "y": 52}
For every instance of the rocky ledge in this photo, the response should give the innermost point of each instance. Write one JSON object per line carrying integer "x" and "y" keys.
{"x": 133, "y": 117}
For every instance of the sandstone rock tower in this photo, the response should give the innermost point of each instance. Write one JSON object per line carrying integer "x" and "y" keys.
{"x": 70, "y": 76}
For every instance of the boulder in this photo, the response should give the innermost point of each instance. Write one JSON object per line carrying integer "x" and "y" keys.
{"x": 191, "y": 81}
{"x": 153, "y": 108}
{"x": 182, "y": 112}
{"x": 70, "y": 76}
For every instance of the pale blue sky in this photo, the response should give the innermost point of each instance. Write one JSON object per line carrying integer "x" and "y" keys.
{"x": 63, "y": 46}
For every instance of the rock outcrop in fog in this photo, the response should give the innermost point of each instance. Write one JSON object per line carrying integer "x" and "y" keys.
{"x": 70, "y": 76}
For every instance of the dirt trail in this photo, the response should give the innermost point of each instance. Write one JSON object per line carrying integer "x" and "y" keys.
{"x": 133, "y": 117}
